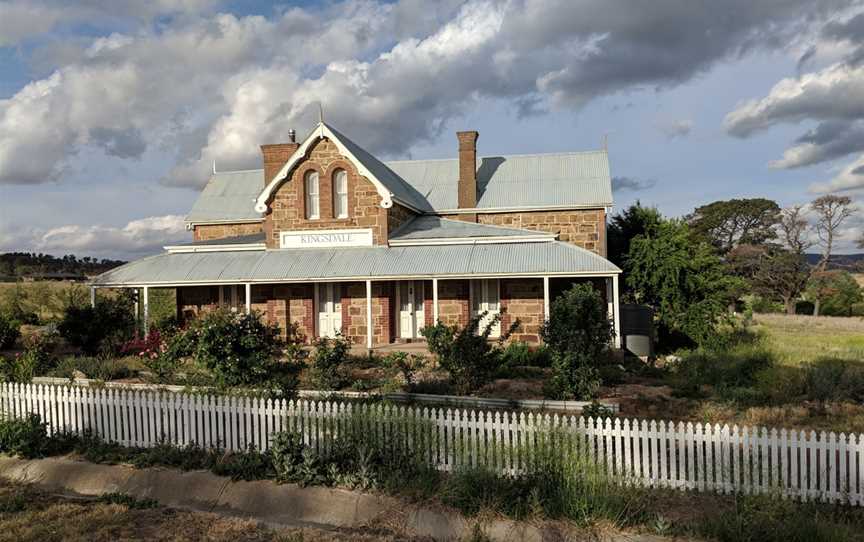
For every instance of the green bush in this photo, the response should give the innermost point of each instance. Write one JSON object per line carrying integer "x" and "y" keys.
{"x": 9, "y": 332}
{"x": 727, "y": 368}
{"x": 238, "y": 349}
{"x": 328, "y": 362}
{"x": 103, "y": 328}
{"x": 406, "y": 364}
{"x": 25, "y": 437}
{"x": 763, "y": 305}
{"x": 521, "y": 354}
{"x": 830, "y": 379}
{"x": 465, "y": 352}
{"x": 578, "y": 335}
{"x": 34, "y": 361}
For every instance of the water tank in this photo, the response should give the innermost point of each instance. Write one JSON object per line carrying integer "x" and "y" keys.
{"x": 637, "y": 329}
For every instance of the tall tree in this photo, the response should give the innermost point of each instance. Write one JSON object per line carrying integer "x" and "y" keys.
{"x": 831, "y": 211}
{"x": 685, "y": 282}
{"x": 782, "y": 271}
{"x": 626, "y": 225}
{"x": 729, "y": 223}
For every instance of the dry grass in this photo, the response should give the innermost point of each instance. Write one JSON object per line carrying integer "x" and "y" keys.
{"x": 30, "y": 515}
{"x": 796, "y": 339}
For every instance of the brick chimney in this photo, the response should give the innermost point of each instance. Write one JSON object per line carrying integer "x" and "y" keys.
{"x": 276, "y": 155}
{"x": 468, "y": 170}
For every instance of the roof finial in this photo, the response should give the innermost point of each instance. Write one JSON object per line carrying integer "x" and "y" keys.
{"x": 606, "y": 141}
{"x": 214, "y": 167}
{"x": 320, "y": 113}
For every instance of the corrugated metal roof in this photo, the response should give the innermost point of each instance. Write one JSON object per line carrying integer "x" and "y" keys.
{"x": 554, "y": 258}
{"x": 228, "y": 195}
{"x": 531, "y": 180}
{"x": 519, "y": 181}
{"x": 435, "y": 227}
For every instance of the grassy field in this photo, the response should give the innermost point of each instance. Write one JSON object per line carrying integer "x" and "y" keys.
{"x": 797, "y": 339}
{"x": 30, "y": 515}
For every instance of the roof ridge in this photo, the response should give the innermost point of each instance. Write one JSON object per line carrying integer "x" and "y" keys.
{"x": 517, "y": 155}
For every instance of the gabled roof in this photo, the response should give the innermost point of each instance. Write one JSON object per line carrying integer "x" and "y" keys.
{"x": 374, "y": 263}
{"x": 430, "y": 227}
{"x": 508, "y": 182}
{"x": 228, "y": 197}
{"x": 578, "y": 179}
{"x": 390, "y": 186}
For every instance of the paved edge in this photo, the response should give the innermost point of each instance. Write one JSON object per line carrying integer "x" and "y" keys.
{"x": 285, "y": 505}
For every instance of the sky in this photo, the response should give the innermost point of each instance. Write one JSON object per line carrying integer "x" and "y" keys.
{"x": 113, "y": 112}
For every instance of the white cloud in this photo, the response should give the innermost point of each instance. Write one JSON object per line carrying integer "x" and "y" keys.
{"x": 137, "y": 238}
{"x": 837, "y": 92}
{"x": 215, "y": 87}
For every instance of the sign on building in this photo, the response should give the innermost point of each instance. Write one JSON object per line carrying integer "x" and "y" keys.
{"x": 326, "y": 238}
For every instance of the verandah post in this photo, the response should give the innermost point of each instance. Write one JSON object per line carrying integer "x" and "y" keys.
{"x": 545, "y": 299}
{"x": 145, "y": 319}
{"x": 369, "y": 313}
{"x": 435, "y": 300}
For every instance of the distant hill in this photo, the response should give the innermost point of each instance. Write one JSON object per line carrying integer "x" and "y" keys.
{"x": 848, "y": 262}
{"x": 15, "y": 265}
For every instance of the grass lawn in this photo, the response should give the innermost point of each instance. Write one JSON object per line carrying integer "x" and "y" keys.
{"x": 775, "y": 399}
{"x": 796, "y": 339}
{"x": 27, "y": 514}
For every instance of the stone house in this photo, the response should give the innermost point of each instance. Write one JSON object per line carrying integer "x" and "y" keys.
{"x": 330, "y": 238}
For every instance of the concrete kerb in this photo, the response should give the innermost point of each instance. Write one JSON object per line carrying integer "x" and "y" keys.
{"x": 278, "y": 504}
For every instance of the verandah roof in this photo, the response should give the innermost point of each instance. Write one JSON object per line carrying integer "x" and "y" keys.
{"x": 298, "y": 265}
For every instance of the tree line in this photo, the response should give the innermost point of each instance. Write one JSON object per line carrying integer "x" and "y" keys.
{"x": 693, "y": 270}
{"x": 30, "y": 264}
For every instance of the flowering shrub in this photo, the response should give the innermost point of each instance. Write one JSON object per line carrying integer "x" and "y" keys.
{"x": 144, "y": 347}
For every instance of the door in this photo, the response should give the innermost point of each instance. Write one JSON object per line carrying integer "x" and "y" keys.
{"x": 329, "y": 297}
{"x": 485, "y": 297}
{"x": 410, "y": 297}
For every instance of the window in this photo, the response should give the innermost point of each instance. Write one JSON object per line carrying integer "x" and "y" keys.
{"x": 340, "y": 194}
{"x": 312, "y": 197}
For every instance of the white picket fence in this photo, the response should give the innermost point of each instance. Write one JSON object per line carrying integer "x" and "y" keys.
{"x": 825, "y": 467}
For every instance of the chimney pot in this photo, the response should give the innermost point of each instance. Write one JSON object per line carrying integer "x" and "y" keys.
{"x": 467, "y": 169}
{"x": 292, "y": 136}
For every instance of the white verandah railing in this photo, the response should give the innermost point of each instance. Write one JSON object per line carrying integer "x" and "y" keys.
{"x": 806, "y": 465}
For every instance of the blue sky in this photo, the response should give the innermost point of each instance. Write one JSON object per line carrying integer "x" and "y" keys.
{"x": 111, "y": 113}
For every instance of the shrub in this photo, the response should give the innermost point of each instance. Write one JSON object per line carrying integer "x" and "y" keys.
{"x": 96, "y": 367}
{"x": 237, "y": 348}
{"x": 466, "y": 353}
{"x": 734, "y": 365}
{"x": 9, "y": 332}
{"x": 831, "y": 379}
{"x": 406, "y": 364}
{"x": 328, "y": 362}
{"x": 521, "y": 354}
{"x": 578, "y": 335}
{"x": 763, "y": 305}
{"x": 101, "y": 328}
{"x": 35, "y": 360}
{"x": 26, "y": 437}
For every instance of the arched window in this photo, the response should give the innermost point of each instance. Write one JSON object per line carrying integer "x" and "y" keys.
{"x": 313, "y": 208}
{"x": 340, "y": 194}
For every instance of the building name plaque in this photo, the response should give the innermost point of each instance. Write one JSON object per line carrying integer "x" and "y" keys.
{"x": 326, "y": 238}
